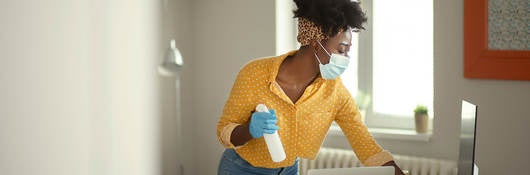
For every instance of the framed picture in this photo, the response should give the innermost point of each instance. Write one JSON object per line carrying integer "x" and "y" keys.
{"x": 496, "y": 39}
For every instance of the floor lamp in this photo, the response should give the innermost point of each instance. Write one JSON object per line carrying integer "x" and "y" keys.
{"x": 171, "y": 66}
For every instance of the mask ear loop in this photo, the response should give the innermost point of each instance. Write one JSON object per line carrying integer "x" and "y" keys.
{"x": 323, "y": 48}
{"x": 315, "y": 53}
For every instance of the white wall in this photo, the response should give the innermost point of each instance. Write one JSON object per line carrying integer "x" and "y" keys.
{"x": 79, "y": 89}
{"x": 503, "y": 112}
{"x": 237, "y": 31}
{"x": 45, "y": 94}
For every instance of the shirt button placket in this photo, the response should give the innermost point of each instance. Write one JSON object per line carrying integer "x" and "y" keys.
{"x": 296, "y": 137}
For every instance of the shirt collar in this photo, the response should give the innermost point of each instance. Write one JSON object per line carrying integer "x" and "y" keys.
{"x": 276, "y": 64}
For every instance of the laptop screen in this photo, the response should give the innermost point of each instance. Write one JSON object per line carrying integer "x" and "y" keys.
{"x": 466, "y": 158}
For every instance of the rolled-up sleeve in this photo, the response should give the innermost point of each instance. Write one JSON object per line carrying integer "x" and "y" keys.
{"x": 238, "y": 107}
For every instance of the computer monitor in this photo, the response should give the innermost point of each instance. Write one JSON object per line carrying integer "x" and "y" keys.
{"x": 466, "y": 160}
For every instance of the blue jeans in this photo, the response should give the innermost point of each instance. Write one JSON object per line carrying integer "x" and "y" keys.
{"x": 232, "y": 164}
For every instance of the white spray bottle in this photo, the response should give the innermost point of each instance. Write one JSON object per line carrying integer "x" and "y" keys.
{"x": 274, "y": 144}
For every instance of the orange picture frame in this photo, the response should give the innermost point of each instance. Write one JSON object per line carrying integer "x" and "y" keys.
{"x": 479, "y": 60}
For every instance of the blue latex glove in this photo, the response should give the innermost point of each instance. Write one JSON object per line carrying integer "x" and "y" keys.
{"x": 263, "y": 122}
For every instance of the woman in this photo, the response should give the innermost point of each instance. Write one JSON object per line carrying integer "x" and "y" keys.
{"x": 304, "y": 94}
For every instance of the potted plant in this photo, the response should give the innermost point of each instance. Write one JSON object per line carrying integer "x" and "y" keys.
{"x": 421, "y": 118}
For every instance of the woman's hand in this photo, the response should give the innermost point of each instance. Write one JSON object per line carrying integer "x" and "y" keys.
{"x": 260, "y": 123}
{"x": 398, "y": 170}
{"x": 263, "y": 122}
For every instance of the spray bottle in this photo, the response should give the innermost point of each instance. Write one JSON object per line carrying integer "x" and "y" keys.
{"x": 274, "y": 144}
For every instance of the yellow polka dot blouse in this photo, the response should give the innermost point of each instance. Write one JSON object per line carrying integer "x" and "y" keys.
{"x": 303, "y": 125}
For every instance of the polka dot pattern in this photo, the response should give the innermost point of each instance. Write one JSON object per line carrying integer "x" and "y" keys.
{"x": 303, "y": 125}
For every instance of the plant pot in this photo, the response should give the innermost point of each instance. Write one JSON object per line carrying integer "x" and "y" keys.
{"x": 422, "y": 121}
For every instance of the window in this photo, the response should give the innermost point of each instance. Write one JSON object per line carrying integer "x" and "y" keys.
{"x": 394, "y": 63}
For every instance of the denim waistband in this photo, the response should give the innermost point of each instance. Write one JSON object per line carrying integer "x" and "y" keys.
{"x": 232, "y": 163}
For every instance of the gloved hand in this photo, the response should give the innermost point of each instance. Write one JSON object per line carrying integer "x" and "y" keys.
{"x": 263, "y": 122}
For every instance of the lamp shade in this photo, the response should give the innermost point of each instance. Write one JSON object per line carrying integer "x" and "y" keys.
{"x": 172, "y": 62}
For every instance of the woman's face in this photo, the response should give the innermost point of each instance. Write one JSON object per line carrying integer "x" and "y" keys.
{"x": 338, "y": 44}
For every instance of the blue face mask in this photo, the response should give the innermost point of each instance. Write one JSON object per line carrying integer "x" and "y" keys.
{"x": 336, "y": 66}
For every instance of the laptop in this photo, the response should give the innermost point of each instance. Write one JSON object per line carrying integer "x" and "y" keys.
{"x": 376, "y": 170}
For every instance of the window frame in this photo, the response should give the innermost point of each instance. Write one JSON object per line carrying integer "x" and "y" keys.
{"x": 365, "y": 80}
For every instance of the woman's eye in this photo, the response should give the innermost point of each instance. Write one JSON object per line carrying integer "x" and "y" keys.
{"x": 343, "y": 53}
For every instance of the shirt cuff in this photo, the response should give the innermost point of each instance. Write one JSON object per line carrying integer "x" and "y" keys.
{"x": 226, "y": 133}
{"x": 378, "y": 159}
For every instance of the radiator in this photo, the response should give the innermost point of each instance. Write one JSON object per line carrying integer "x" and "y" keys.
{"x": 342, "y": 158}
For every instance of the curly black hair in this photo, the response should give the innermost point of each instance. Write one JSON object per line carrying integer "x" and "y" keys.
{"x": 331, "y": 15}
